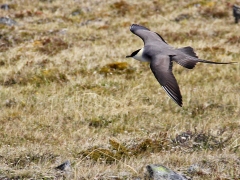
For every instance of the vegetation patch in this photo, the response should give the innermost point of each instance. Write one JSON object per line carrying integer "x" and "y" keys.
{"x": 50, "y": 46}
{"x": 98, "y": 122}
{"x": 119, "y": 151}
{"x": 189, "y": 140}
{"x": 202, "y": 141}
{"x": 38, "y": 78}
{"x": 121, "y": 7}
{"x": 8, "y": 39}
{"x": 116, "y": 68}
{"x": 214, "y": 12}
{"x": 233, "y": 40}
{"x": 25, "y": 160}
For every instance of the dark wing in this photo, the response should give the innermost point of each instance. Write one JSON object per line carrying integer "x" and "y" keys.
{"x": 161, "y": 37}
{"x": 145, "y": 34}
{"x": 161, "y": 67}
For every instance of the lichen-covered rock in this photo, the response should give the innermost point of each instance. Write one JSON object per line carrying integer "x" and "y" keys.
{"x": 160, "y": 172}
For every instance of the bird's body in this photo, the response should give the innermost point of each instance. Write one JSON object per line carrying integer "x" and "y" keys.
{"x": 160, "y": 55}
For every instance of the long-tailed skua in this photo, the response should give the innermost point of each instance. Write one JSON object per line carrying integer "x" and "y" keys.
{"x": 160, "y": 55}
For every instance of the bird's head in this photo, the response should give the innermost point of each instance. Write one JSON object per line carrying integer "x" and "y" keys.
{"x": 133, "y": 54}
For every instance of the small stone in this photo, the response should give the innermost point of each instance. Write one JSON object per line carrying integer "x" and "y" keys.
{"x": 236, "y": 13}
{"x": 7, "y": 21}
{"x": 66, "y": 166}
{"x": 5, "y": 6}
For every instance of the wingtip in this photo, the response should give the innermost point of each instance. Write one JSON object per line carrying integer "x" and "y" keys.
{"x": 176, "y": 98}
{"x": 179, "y": 102}
{"x": 134, "y": 26}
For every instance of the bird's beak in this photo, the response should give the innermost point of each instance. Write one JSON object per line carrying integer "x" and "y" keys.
{"x": 128, "y": 56}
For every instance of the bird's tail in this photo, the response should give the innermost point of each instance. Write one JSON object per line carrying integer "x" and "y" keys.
{"x": 211, "y": 62}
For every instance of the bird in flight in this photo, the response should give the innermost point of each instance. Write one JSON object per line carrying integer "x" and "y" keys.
{"x": 160, "y": 55}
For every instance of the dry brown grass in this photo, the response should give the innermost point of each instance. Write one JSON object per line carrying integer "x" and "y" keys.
{"x": 67, "y": 91}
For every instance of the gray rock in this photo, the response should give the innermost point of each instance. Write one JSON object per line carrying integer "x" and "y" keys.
{"x": 236, "y": 12}
{"x": 7, "y": 21}
{"x": 66, "y": 166}
{"x": 5, "y": 6}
